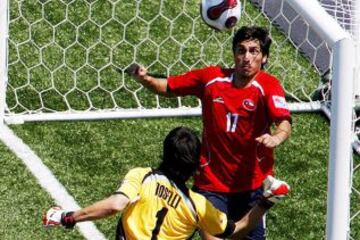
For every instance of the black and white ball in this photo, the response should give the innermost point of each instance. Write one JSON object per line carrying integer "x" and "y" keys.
{"x": 221, "y": 14}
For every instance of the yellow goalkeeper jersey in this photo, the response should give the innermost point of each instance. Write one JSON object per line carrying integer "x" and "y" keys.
{"x": 161, "y": 210}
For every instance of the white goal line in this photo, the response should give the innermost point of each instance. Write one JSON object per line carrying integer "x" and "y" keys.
{"x": 46, "y": 179}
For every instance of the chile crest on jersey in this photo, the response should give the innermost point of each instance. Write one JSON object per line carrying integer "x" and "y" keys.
{"x": 249, "y": 104}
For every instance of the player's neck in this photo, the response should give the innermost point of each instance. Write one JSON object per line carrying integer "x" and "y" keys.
{"x": 243, "y": 81}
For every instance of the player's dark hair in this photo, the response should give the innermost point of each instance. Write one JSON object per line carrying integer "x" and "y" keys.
{"x": 253, "y": 33}
{"x": 181, "y": 154}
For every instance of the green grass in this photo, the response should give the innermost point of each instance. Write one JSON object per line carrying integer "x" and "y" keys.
{"x": 90, "y": 158}
{"x": 23, "y": 202}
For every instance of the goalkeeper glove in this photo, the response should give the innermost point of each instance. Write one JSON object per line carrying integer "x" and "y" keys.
{"x": 56, "y": 216}
{"x": 274, "y": 191}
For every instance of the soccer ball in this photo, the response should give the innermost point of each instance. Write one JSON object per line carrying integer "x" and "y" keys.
{"x": 221, "y": 14}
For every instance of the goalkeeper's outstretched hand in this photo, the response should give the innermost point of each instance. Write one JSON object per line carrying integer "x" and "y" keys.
{"x": 56, "y": 216}
{"x": 274, "y": 191}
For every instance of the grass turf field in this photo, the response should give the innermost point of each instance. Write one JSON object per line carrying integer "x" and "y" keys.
{"x": 90, "y": 158}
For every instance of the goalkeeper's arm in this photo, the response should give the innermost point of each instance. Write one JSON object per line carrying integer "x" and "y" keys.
{"x": 274, "y": 191}
{"x": 56, "y": 216}
{"x": 104, "y": 208}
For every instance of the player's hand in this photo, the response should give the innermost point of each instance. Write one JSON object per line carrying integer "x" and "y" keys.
{"x": 137, "y": 71}
{"x": 268, "y": 140}
{"x": 56, "y": 216}
{"x": 275, "y": 190}
{"x": 52, "y": 217}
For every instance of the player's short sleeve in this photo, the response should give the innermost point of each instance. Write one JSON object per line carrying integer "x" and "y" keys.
{"x": 211, "y": 219}
{"x": 276, "y": 102}
{"x": 189, "y": 83}
{"x": 131, "y": 184}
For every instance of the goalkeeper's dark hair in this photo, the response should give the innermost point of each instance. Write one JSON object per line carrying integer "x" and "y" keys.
{"x": 253, "y": 33}
{"x": 181, "y": 154}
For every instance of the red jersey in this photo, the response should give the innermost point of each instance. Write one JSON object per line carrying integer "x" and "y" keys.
{"x": 231, "y": 159}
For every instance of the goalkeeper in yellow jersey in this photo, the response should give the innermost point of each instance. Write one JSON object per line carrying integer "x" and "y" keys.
{"x": 156, "y": 204}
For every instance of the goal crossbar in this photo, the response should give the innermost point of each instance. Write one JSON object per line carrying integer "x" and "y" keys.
{"x": 315, "y": 106}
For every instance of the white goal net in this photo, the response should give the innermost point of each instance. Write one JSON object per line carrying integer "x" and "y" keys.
{"x": 64, "y": 56}
{"x": 65, "y": 59}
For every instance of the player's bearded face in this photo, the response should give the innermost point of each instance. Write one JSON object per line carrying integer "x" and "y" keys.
{"x": 248, "y": 59}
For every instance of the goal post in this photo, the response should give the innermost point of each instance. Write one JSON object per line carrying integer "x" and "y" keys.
{"x": 341, "y": 125}
{"x": 341, "y": 135}
{"x": 3, "y": 56}
{"x": 356, "y": 34}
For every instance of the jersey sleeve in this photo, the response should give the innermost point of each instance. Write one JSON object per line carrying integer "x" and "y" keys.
{"x": 189, "y": 83}
{"x": 276, "y": 102}
{"x": 212, "y": 220}
{"x": 131, "y": 184}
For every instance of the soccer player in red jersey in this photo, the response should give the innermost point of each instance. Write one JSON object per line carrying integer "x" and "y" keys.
{"x": 239, "y": 106}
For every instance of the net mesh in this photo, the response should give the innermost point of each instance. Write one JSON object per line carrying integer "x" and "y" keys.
{"x": 64, "y": 56}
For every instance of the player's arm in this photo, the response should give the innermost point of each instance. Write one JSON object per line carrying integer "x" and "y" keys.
{"x": 154, "y": 84}
{"x": 56, "y": 216}
{"x": 216, "y": 223}
{"x": 281, "y": 133}
{"x": 274, "y": 191}
{"x": 104, "y": 208}
{"x": 128, "y": 192}
{"x": 248, "y": 222}
{"x": 279, "y": 112}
